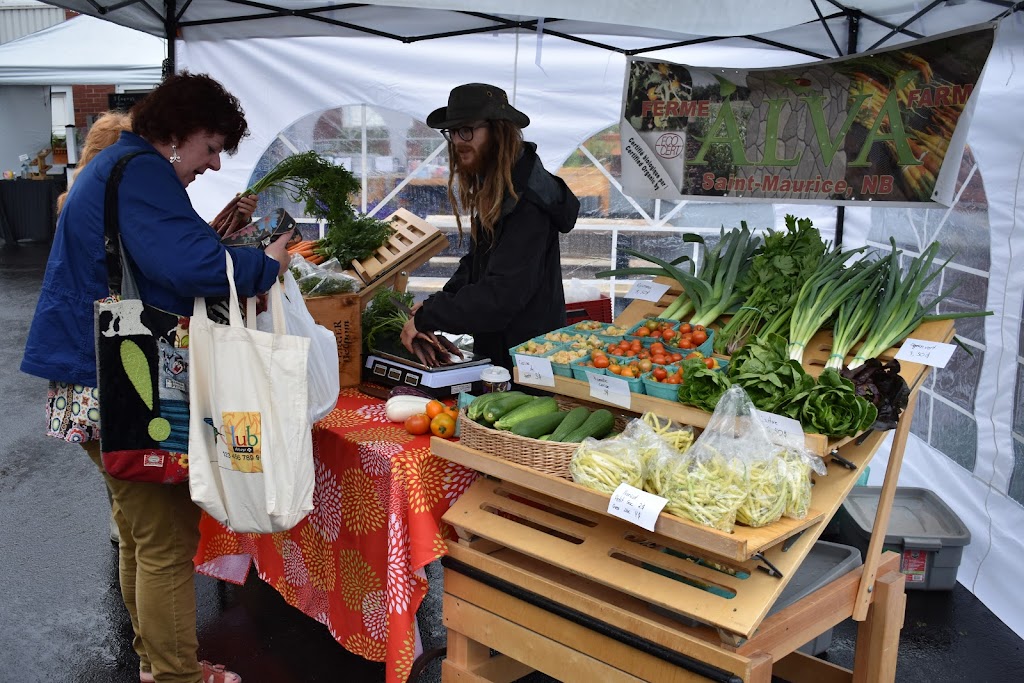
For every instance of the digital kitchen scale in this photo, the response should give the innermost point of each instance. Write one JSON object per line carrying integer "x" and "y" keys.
{"x": 393, "y": 370}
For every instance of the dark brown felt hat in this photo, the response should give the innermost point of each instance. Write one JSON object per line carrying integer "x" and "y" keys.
{"x": 474, "y": 102}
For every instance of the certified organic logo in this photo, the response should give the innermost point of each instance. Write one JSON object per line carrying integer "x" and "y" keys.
{"x": 669, "y": 146}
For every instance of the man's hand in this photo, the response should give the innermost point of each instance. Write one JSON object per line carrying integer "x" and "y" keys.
{"x": 409, "y": 332}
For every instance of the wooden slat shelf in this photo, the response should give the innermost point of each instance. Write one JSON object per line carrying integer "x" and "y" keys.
{"x": 475, "y": 514}
{"x": 738, "y": 546}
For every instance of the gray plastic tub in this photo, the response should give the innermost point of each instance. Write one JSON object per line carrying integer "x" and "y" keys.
{"x": 824, "y": 564}
{"x": 924, "y": 530}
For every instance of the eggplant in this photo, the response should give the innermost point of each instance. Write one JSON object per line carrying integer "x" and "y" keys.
{"x": 403, "y": 390}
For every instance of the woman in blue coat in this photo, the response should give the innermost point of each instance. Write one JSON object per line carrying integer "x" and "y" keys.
{"x": 182, "y": 128}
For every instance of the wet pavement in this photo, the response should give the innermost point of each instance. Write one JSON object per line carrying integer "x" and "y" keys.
{"x": 62, "y": 620}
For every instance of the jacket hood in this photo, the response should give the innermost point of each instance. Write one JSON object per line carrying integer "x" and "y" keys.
{"x": 535, "y": 184}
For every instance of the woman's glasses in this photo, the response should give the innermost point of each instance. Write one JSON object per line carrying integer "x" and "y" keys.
{"x": 464, "y": 132}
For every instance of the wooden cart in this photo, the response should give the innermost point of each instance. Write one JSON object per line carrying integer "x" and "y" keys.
{"x": 542, "y": 575}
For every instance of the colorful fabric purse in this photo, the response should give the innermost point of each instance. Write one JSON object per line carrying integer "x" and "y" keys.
{"x": 142, "y": 368}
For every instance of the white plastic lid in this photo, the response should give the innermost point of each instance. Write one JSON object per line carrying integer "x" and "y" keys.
{"x": 495, "y": 373}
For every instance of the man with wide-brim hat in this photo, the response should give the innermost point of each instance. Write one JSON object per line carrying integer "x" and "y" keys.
{"x": 508, "y": 288}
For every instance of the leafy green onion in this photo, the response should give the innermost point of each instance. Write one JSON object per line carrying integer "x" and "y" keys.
{"x": 854, "y": 319}
{"x": 823, "y": 293}
{"x": 900, "y": 310}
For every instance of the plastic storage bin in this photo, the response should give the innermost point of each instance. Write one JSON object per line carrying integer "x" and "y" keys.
{"x": 596, "y": 309}
{"x": 923, "y": 529}
{"x": 824, "y": 564}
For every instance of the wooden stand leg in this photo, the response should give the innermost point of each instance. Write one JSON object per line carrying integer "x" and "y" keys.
{"x": 878, "y": 636}
{"x": 466, "y": 653}
{"x": 761, "y": 668}
{"x": 885, "y": 498}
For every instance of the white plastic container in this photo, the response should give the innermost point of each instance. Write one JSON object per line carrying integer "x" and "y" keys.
{"x": 496, "y": 378}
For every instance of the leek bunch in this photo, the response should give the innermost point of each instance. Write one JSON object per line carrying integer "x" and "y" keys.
{"x": 721, "y": 284}
{"x": 899, "y": 310}
{"x": 824, "y": 292}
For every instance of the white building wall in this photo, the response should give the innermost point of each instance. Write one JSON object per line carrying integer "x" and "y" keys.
{"x": 20, "y": 17}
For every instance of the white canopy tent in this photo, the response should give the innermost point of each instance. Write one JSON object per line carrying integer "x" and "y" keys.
{"x": 566, "y": 71}
{"x": 81, "y": 51}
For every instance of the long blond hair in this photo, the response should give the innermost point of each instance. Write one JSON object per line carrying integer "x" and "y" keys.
{"x": 482, "y": 196}
{"x": 104, "y": 132}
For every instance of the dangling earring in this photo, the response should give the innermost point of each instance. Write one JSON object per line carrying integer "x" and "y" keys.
{"x": 175, "y": 157}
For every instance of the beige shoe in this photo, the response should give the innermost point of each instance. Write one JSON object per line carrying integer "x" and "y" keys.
{"x": 115, "y": 538}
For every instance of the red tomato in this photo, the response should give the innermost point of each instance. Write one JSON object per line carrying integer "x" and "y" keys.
{"x": 699, "y": 337}
{"x": 418, "y": 424}
{"x": 660, "y": 374}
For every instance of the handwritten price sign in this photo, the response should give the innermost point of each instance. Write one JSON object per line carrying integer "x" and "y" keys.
{"x": 609, "y": 389}
{"x": 935, "y": 354}
{"x": 646, "y": 290}
{"x": 783, "y": 431}
{"x": 536, "y": 371}
{"x": 636, "y": 506}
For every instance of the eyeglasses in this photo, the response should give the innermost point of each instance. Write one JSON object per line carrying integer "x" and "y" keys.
{"x": 464, "y": 132}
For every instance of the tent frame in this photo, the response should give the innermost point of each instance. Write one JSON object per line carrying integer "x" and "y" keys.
{"x": 173, "y": 21}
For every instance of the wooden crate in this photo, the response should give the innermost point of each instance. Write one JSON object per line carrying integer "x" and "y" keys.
{"x": 412, "y": 236}
{"x": 340, "y": 313}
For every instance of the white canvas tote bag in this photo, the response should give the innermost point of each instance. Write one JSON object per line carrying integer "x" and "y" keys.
{"x": 250, "y": 445}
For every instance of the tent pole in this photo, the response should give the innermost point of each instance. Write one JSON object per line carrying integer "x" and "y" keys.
{"x": 171, "y": 31}
{"x": 852, "y": 29}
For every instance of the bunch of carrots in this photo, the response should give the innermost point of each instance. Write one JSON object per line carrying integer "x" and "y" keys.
{"x": 308, "y": 250}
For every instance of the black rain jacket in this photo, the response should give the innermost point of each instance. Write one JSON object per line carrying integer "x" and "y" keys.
{"x": 509, "y": 290}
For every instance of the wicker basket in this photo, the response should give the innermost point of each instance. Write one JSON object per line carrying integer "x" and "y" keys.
{"x": 545, "y": 456}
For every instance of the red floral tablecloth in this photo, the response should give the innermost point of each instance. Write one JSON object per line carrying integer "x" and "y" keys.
{"x": 376, "y": 520}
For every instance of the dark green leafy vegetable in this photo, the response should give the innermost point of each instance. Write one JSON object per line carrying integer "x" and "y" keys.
{"x": 834, "y": 409}
{"x": 785, "y": 261}
{"x": 382, "y": 320}
{"x": 702, "y": 387}
{"x": 773, "y": 381}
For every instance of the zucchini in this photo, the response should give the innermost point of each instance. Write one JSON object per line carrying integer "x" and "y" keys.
{"x": 599, "y": 424}
{"x": 539, "y": 425}
{"x": 476, "y": 408}
{"x": 538, "y": 406}
{"x": 575, "y": 418}
{"x": 499, "y": 407}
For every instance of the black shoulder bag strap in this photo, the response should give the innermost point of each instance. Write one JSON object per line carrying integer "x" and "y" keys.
{"x": 112, "y": 225}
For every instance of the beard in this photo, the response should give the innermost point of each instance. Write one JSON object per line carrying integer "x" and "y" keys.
{"x": 472, "y": 162}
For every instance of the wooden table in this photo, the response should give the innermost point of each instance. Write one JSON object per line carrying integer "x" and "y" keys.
{"x": 545, "y": 577}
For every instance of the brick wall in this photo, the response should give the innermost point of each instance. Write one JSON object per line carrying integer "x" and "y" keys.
{"x": 90, "y": 102}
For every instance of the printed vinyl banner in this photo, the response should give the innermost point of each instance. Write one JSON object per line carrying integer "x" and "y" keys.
{"x": 886, "y": 126}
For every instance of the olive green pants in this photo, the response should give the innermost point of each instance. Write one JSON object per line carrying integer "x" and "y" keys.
{"x": 159, "y": 527}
